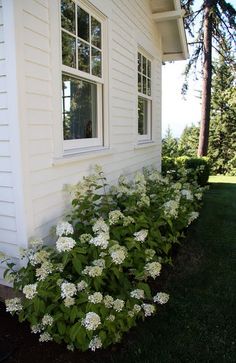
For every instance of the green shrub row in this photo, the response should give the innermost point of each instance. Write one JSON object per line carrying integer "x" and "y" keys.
{"x": 94, "y": 285}
{"x": 196, "y": 169}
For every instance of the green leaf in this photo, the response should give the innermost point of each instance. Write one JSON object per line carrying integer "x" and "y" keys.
{"x": 77, "y": 264}
{"x": 145, "y": 288}
{"x": 61, "y": 327}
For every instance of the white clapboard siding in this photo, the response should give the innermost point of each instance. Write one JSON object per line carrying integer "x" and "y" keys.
{"x": 130, "y": 26}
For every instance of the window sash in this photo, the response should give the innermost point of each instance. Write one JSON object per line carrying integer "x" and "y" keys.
{"x": 147, "y": 75}
{"x": 82, "y": 144}
{"x": 146, "y": 136}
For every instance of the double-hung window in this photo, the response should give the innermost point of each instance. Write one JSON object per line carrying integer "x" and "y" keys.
{"x": 144, "y": 98}
{"x": 82, "y": 51}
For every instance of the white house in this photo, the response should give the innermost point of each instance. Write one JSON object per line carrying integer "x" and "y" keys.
{"x": 80, "y": 84}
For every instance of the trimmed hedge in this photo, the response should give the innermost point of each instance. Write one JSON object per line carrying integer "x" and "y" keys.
{"x": 197, "y": 169}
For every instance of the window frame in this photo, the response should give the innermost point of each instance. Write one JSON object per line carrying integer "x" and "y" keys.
{"x": 99, "y": 141}
{"x": 149, "y": 98}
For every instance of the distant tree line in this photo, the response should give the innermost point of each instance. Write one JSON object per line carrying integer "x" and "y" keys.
{"x": 222, "y": 131}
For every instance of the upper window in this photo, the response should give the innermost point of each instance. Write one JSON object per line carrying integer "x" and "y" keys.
{"x": 82, "y": 75}
{"x": 144, "y": 97}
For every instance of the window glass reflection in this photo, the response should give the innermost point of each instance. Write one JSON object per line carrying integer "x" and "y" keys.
{"x": 83, "y": 24}
{"x": 68, "y": 50}
{"x": 68, "y": 15}
{"x": 79, "y": 108}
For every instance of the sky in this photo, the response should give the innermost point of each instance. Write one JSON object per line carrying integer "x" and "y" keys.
{"x": 177, "y": 112}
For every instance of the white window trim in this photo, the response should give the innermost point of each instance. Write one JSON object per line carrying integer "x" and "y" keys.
{"x": 56, "y": 73}
{"x": 147, "y": 137}
{"x": 80, "y": 144}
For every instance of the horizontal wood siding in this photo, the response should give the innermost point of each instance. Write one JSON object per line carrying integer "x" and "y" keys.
{"x": 8, "y": 228}
{"x": 45, "y": 181}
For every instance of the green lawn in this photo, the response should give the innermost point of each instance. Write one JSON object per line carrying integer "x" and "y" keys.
{"x": 198, "y": 323}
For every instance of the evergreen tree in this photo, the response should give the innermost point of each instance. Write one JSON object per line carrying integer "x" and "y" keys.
{"x": 188, "y": 141}
{"x": 216, "y": 22}
{"x": 222, "y": 141}
{"x": 169, "y": 144}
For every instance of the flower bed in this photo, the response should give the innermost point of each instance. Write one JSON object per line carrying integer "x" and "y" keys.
{"x": 94, "y": 285}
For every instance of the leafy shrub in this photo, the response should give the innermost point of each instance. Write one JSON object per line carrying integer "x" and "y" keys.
{"x": 195, "y": 169}
{"x": 94, "y": 285}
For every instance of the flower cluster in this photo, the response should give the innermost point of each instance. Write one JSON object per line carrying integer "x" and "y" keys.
{"x": 91, "y": 321}
{"x": 65, "y": 244}
{"x": 96, "y": 282}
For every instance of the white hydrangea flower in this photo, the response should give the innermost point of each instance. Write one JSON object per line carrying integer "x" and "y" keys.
{"x": 45, "y": 337}
{"x": 187, "y": 194}
{"x": 198, "y": 196}
{"x": 127, "y": 221}
{"x": 39, "y": 257}
{"x": 100, "y": 262}
{"x": 136, "y": 308}
{"x": 64, "y": 244}
{"x": 68, "y": 289}
{"x": 101, "y": 240}
{"x": 13, "y": 305}
{"x": 110, "y": 317}
{"x": 100, "y": 226}
{"x": 144, "y": 201}
{"x": 161, "y": 298}
{"x": 35, "y": 329}
{"x": 153, "y": 269}
{"x": 150, "y": 253}
{"x": 148, "y": 309}
{"x": 44, "y": 270}
{"x": 35, "y": 242}
{"x": 70, "y": 347}
{"x": 82, "y": 285}
{"x": 30, "y": 291}
{"x": 85, "y": 238}
{"x": 69, "y": 301}
{"x": 115, "y": 216}
{"x": 108, "y": 301}
{"x": 95, "y": 298}
{"x": 139, "y": 178}
{"x": 192, "y": 217}
{"x": 171, "y": 208}
{"x": 92, "y": 271}
{"x": 91, "y": 321}
{"x": 177, "y": 186}
{"x": 137, "y": 294}
{"x": 141, "y": 235}
{"x": 118, "y": 305}
{"x": 95, "y": 343}
{"x": 47, "y": 320}
{"x": 118, "y": 254}
{"x": 64, "y": 228}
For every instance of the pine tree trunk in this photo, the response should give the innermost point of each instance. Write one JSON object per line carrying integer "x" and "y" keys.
{"x": 207, "y": 77}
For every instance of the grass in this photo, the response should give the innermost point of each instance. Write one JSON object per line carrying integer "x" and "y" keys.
{"x": 198, "y": 323}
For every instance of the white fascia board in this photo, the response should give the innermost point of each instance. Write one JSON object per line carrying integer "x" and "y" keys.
{"x": 168, "y": 15}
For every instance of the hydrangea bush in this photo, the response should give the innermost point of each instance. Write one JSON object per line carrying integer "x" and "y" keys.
{"x": 94, "y": 285}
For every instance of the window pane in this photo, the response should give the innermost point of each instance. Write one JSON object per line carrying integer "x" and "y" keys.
{"x": 96, "y": 33}
{"x": 68, "y": 15}
{"x": 83, "y": 56}
{"x": 79, "y": 108}
{"x": 142, "y": 116}
{"x": 144, "y": 85}
{"x": 144, "y": 65}
{"x": 149, "y": 69}
{"x": 96, "y": 62}
{"x": 139, "y": 62}
{"x": 68, "y": 50}
{"x": 139, "y": 82}
{"x": 83, "y": 24}
{"x": 149, "y": 87}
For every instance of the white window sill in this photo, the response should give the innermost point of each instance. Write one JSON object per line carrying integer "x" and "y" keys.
{"x": 75, "y": 156}
{"x": 144, "y": 145}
